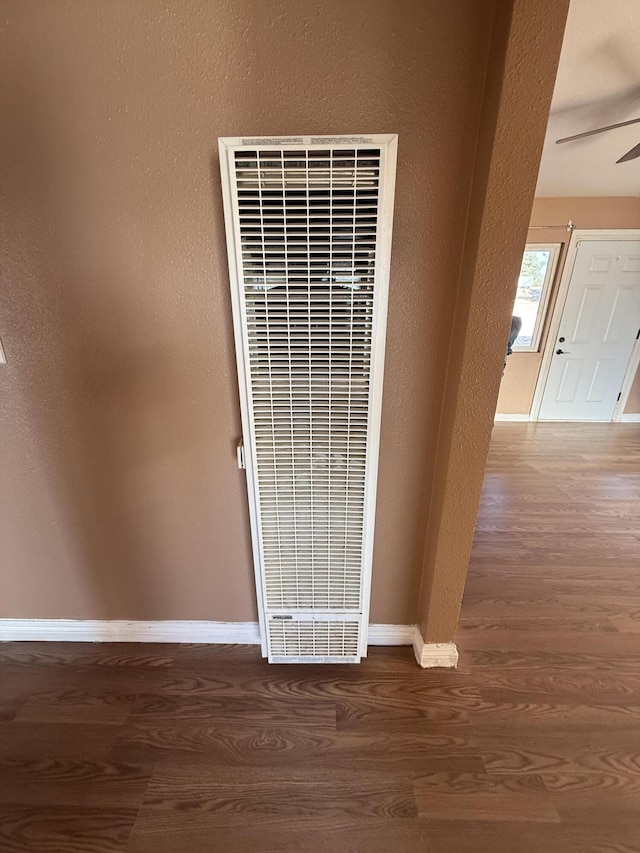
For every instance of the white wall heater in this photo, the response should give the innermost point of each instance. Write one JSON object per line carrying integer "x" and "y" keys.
{"x": 308, "y": 223}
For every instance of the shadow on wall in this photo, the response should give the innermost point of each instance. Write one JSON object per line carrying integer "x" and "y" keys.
{"x": 610, "y": 57}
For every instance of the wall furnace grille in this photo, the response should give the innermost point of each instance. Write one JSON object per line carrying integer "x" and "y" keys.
{"x": 309, "y": 228}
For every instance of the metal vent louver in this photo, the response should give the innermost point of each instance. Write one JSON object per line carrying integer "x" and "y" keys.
{"x": 309, "y": 228}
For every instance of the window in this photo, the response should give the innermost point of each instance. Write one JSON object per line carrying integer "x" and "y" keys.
{"x": 534, "y": 285}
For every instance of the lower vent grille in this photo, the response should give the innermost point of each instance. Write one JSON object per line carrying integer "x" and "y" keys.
{"x": 297, "y": 641}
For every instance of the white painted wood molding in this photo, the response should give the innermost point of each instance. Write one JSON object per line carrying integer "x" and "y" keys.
{"x": 625, "y": 418}
{"x": 391, "y": 635}
{"x": 430, "y": 655}
{"x": 126, "y": 631}
{"x": 167, "y": 631}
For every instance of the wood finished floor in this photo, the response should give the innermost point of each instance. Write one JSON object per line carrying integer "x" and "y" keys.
{"x": 533, "y": 745}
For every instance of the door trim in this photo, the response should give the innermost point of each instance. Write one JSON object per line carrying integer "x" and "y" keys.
{"x": 627, "y": 382}
{"x": 578, "y": 236}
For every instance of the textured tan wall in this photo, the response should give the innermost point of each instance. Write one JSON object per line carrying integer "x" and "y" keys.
{"x": 525, "y": 47}
{"x": 119, "y": 412}
{"x": 633, "y": 400}
{"x": 520, "y": 378}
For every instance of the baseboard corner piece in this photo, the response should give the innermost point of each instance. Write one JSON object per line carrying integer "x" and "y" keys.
{"x": 432, "y": 655}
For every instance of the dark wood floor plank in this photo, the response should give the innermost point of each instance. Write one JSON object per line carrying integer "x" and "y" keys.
{"x": 61, "y": 829}
{"x": 296, "y": 746}
{"x": 76, "y": 706}
{"x": 231, "y": 711}
{"x": 9, "y": 709}
{"x": 56, "y": 740}
{"x": 512, "y": 717}
{"x": 39, "y": 654}
{"x": 443, "y": 706}
{"x": 411, "y": 689}
{"x": 533, "y": 661}
{"x": 581, "y": 687}
{"x": 89, "y": 654}
{"x": 69, "y": 783}
{"x": 23, "y": 681}
{"x": 567, "y": 766}
{"x": 269, "y": 797}
{"x": 565, "y": 642}
{"x": 130, "y": 655}
{"x": 524, "y": 625}
{"x": 480, "y": 796}
{"x": 520, "y": 837}
{"x": 162, "y": 832}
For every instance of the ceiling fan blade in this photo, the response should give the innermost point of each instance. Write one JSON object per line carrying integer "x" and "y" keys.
{"x": 597, "y": 130}
{"x": 630, "y": 155}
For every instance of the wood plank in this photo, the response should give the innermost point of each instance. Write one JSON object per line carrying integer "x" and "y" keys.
{"x": 63, "y": 829}
{"x": 56, "y": 740}
{"x": 506, "y": 837}
{"x": 167, "y": 832}
{"x": 70, "y": 783}
{"x": 231, "y": 711}
{"x": 479, "y": 797}
{"x": 562, "y": 686}
{"x": 313, "y": 684}
{"x": 267, "y": 797}
{"x": 296, "y": 746}
{"x": 76, "y": 706}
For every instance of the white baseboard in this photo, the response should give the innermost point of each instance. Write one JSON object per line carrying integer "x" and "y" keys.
{"x": 178, "y": 631}
{"x": 391, "y": 635}
{"x": 125, "y": 631}
{"x": 628, "y": 418}
{"x": 431, "y": 655}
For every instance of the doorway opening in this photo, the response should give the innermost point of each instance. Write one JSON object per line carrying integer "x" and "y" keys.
{"x": 578, "y": 359}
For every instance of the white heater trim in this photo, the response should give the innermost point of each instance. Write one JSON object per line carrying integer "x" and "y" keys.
{"x": 388, "y": 155}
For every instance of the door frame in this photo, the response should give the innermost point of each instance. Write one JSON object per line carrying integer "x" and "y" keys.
{"x": 578, "y": 236}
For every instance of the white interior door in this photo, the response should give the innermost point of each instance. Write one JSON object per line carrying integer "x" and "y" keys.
{"x": 599, "y": 324}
